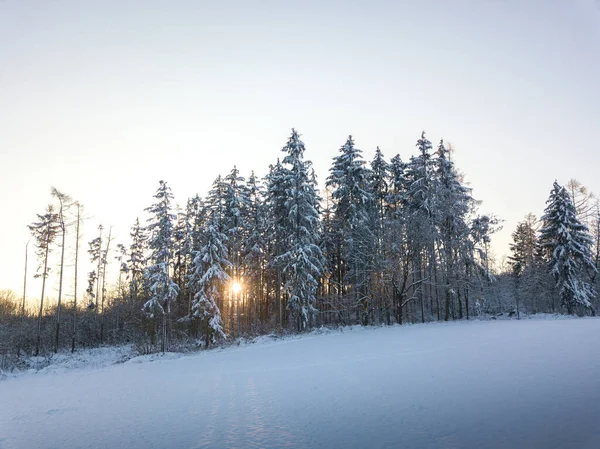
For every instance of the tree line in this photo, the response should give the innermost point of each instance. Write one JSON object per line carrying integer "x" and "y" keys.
{"x": 383, "y": 242}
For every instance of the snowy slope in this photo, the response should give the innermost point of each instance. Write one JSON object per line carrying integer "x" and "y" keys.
{"x": 506, "y": 384}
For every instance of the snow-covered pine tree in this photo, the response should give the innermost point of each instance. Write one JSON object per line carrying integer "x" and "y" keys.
{"x": 180, "y": 261}
{"x": 475, "y": 253}
{"x": 207, "y": 277}
{"x": 163, "y": 290}
{"x": 567, "y": 243}
{"x": 214, "y": 205}
{"x": 529, "y": 273}
{"x": 254, "y": 245}
{"x": 194, "y": 225}
{"x": 137, "y": 260}
{"x": 452, "y": 203}
{"x": 235, "y": 202}
{"x": 419, "y": 174}
{"x": 396, "y": 248}
{"x": 302, "y": 260}
{"x": 354, "y": 209}
{"x": 420, "y": 227}
{"x": 379, "y": 175}
{"x": 379, "y": 179}
{"x": 276, "y": 231}
{"x": 397, "y": 186}
{"x": 44, "y": 232}
{"x": 523, "y": 246}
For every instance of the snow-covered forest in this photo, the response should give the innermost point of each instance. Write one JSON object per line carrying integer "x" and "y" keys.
{"x": 380, "y": 241}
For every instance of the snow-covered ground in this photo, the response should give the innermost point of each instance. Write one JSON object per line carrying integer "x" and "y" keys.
{"x": 503, "y": 384}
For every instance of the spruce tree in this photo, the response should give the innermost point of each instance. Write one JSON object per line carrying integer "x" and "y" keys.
{"x": 254, "y": 244}
{"x": 302, "y": 259}
{"x": 567, "y": 243}
{"x": 452, "y": 203}
{"x": 420, "y": 227}
{"x": 162, "y": 289}
{"x": 354, "y": 206}
{"x": 523, "y": 246}
{"x": 137, "y": 260}
{"x": 276, "y": 230}
{"x": 208, "y": 274}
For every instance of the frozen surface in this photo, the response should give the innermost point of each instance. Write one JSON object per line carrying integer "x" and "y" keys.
{"x": 505, "y": 384}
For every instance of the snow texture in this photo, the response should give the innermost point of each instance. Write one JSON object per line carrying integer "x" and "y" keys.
{"x": 502, "y": 384}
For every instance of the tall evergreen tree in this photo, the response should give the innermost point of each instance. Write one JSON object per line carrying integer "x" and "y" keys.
{"x": 206, "y": 279}
{"x": 567, "y": 243}
{"x": 528, "y": 269}
{"x": 162, "y": 289}
{"x": 420, "y": 226}
{"x": 354, "y": 206}
{"x": 276, "y": 231}
{"x": 302, "y": 259}
{"x": 255, "y": 245}
{"x": 194, "y": 224}
{"x": 379, "y": 175}
{"x": 379, "y": 180}
{"x": 235, "y": 201}
{"x": 523, "y": 247}
{"x": 452, "y": 204}
{"x": 137, "y": 259}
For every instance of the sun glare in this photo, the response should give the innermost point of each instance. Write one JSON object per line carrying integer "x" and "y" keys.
{"x": 236, "y": 287}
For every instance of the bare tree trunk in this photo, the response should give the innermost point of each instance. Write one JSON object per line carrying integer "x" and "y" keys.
{"x": 164, "y": 332}
{"x": 60, "y": 277}
{"x": 467, "y": 290}
{"x": 39, "y": 330}
{"x": 77, "y": 238}
{"x": 279, "y": 298}
{"x": 23, "y": 302}
{"x": 100, "y": 228}
{"x": 104, "y": 263}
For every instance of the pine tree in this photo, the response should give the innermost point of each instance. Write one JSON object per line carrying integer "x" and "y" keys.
{"x": 397, "y": 186}
{"x": 235, "y": 202}
{"x": 396, "y": 243}
{"x": 44, "y": 232}
{"x": 136, "y": 263}
{"x": 379, "y": 180}
{"x": 420, "y": 226}
{"x": 302, "y": 259}
{"x": 567, "y": 243}
{"x": 207, "y": 278}
{"x": 379, "y": 175}
{"x": 527, "y": 265}
{"x": 254, "y": 245}
{"x": 523, "y": 247}
{"x": 163, "y": 290}
{"x": 276, "y": 229}
{"x": 452, "y": 203}
{"x": 194, "y": 223}
{"x": 354, "y": 206}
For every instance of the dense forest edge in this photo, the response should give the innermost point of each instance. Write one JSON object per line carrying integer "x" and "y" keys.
{"x": 383, "y": 242}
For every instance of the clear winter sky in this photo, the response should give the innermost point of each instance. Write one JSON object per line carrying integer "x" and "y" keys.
{"x": 102, "y": 99}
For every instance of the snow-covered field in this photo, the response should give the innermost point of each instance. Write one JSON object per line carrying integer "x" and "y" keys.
{"x": 505, "y": 384}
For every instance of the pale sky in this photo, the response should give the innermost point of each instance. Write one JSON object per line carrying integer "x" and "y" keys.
{"x": 102, "y": 99}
